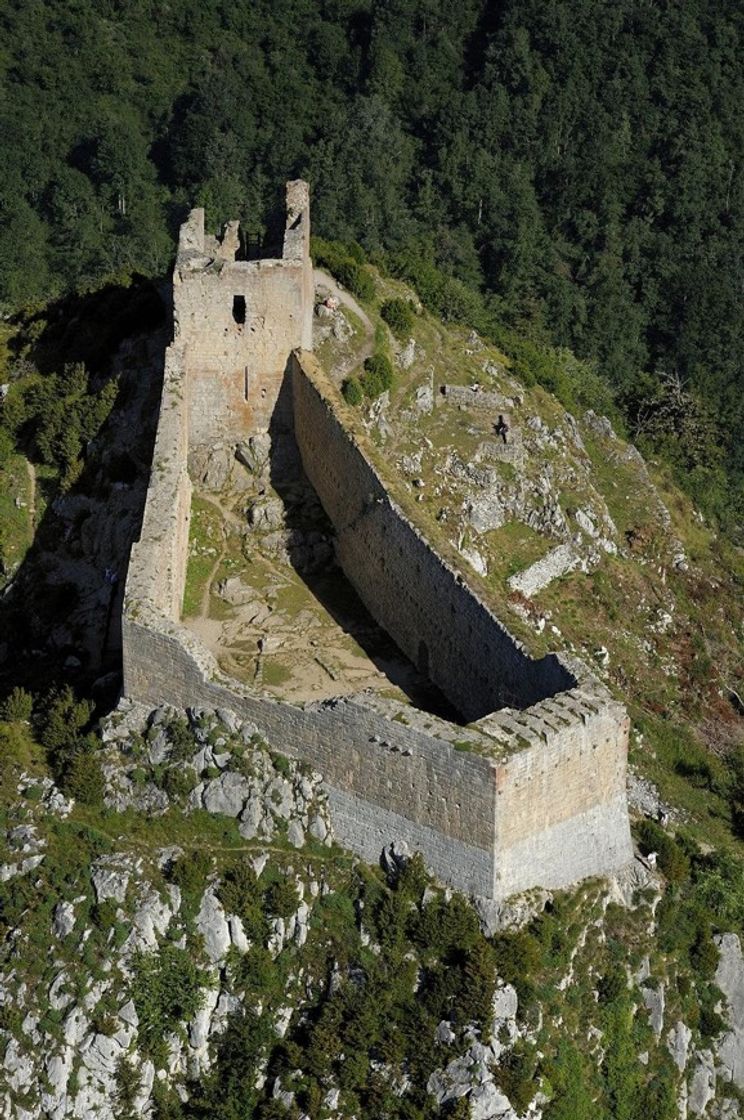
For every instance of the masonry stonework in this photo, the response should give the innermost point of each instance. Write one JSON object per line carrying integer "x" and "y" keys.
{"x": 539, "y": 796}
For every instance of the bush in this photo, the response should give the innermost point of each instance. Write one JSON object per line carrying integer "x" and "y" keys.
{"x": 352, "y": 391}
{"x": 280, "y": 898}
{"x": 178, "y": 781}
{"x": 672, "y": 859}
{"x": 83, "y": 779}
{"x": 398, "y": 316}
{"x": 61, "y": 720}
{"x": 17, "y": 707}
{"x": 239, "y": 892}
{"x": 377, "y": 376}
{"x": 166, "y": 989}
{"x": 347, "y": 265}
{"x": 189, "y": 874}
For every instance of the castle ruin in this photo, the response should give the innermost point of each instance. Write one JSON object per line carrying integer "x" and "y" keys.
{"x": 538, "y": 797}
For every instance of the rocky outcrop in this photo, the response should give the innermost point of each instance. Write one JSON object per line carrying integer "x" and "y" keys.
{"x": 267, "y": 794}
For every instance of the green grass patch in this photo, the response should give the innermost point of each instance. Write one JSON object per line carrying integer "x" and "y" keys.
{"x": 16, "y": 527}
{"x": 205, "y": 545}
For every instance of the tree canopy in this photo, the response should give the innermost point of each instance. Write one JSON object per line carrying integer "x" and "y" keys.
{"x": 580, "y": 164}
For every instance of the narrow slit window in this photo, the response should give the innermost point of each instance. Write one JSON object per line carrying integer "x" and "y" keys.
{"x": 239, "y": 309}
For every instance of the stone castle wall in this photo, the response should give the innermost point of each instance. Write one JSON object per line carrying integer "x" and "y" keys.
{"x": 540, "y": 797}
{"x": 386, "y": 781}
{"x": 422, "y": 602}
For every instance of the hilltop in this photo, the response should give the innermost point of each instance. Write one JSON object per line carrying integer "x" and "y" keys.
{"x": 617, "y": 998}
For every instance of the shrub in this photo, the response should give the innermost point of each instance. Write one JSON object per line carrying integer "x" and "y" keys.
{"x": 352, "y": 391}
{"x": 239, "y": 889}
{"x": 178, "y": 781}
{"x": 189, "y": 874}
{"x": 61, "y": 720}
{"x": 398, "y": 316}
{"x": 166, "y": 989}
{"x": 346, "y": 264}
{"x": 280, "y": 898}
{"x": 671, "y": 857}
{"x": 377, "y": 376}
{"x": 17, "y": 707}
{"x": 83, "y": 779}
{"x": 357, "y": 279}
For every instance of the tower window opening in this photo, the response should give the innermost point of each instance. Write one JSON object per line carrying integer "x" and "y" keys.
{"x": 238, "y": 309}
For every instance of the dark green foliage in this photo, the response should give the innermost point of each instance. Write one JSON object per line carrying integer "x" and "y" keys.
{"x": 346, "y": 265}
{"x": 60, "y": 723}
{"x": 569, "y": 1078}
{"x": 352, "y": 391}
{"x": 612, "y": 985}
{"x": 57, "y": 415}
{"x": 671, "y": 857}
{"x": 398, "y": 316}
{"x": 189, "y": 873}
{"x": 240, "y": 893}
{"x": 516, "y": 1076}
{"x": 518, "y": 958}
{"x": 17, "y": 706}
{"x": 181, "y": 739}
{"x": 166, "y": 993}
{"x": 178, "y": 781}
{"x": 83, "y": 778}
{"x": 280, "y": 898}
{"x": 378, "y": 375}
{"x": 127, "y": 1080}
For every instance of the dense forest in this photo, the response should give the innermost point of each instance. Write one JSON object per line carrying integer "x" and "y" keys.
{"x": 578, "y": 164}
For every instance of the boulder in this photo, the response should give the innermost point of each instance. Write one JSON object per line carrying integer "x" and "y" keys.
{"x": 702, "y": 1083}
{"x": 110, "y": 881}
{"x": 678, "y": 1044}
{"x": 488, "y": 1102}
{"x": 227, "y": 794}
{"x": 730, "y": 979}
{"x": 212, "y": 924}
{"x": 63, "y": 921}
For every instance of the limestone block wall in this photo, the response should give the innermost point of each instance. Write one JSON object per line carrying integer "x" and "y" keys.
{"x": 561, "y": 810}
{"x": 423, "y": 603}
{"x": 157, "y": 565}
{"x": 386, "y": 781}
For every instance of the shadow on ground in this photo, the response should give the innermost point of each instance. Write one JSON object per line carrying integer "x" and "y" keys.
{"x": 60, "y": 611}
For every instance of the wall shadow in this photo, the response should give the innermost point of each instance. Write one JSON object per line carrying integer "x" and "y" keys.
{"x": 309, "y": 529}
{"x": 60, "y": 612}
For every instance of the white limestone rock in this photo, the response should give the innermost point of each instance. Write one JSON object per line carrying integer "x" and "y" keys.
{"x": 488, "y": 1102}
{"x": 730, "y": 979}
{"x": 237, "y": 934}
{"x": 227, "y": 794}
{"x": 110, "y": 877}
{"x": 653, "y": 998}
{"x": 212, "y": 924}
{"x": 63, "y": 921}
{"x": 557, "y": 563}
{"x": 19, "y": 1067}
{"x": 702, "y": 1083}
{"x": 678, "y": 1044}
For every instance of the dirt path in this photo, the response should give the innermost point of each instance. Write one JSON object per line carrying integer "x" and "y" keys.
{"x": 326, "y": 280}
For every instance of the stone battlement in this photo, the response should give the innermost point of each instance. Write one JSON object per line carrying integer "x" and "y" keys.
{"x": 532, "y": 791}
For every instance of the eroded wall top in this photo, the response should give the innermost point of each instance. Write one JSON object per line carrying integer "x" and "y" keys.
{"x": 237, "y": 321}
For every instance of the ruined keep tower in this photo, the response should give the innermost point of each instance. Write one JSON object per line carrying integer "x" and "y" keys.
{"x": 237, "y": 321}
